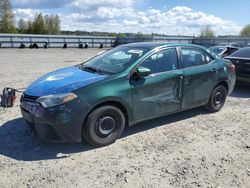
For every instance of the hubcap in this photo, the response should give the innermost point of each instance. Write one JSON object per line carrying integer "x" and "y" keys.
{"x": 106, "y": 125}
{"x": 218, "y": 98}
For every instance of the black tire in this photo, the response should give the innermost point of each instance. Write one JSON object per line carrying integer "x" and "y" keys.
{"x": 103, "y": 126}
{"x": 217, "y": 99}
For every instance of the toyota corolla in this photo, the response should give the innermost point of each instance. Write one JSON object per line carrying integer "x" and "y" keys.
{"x": 95, "y": 100}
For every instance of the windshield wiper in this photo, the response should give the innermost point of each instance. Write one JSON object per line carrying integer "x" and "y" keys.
{"x": 92, "y": 69}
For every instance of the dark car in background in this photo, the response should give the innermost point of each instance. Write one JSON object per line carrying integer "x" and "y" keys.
{"x": 241, "y": 60}
{"x": 123, "y": 86}
{"x": 223, "y": 51}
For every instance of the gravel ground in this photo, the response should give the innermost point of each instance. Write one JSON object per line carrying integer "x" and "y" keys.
{"x": 189, "y": 149}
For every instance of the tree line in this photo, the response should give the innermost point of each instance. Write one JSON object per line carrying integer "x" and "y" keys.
{"x": 41, "y": 24}
{"x": 48, "y": 24}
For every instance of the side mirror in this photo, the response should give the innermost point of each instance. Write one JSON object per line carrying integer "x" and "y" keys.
{"x": 143, "y": 71}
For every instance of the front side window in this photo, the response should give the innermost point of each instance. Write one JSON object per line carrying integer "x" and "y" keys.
{"x": 165, "y": 60}
{"x": 193, "y": 57}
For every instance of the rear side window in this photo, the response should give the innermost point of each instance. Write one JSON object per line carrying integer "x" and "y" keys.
{"x": 162, "y": 61}
{"x": 193, "y": 57}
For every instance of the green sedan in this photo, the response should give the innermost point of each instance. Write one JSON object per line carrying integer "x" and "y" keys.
{"x": 131, "y": 83}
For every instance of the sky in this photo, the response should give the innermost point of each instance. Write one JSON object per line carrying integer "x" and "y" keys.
{"x": 171, "y": 17}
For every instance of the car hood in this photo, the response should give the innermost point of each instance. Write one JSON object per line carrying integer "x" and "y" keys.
{"x": 62, "y": 81}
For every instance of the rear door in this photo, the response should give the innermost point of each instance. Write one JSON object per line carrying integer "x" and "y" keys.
{"x": 200, "y": 75}
{"x": 160, "y": 92}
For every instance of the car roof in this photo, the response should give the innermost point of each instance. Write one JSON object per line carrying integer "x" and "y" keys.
{"x": 225, "y": 47}
{"x": 153, "y": 45}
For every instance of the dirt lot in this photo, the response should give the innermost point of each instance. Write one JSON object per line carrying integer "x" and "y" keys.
{"x": 189, "y": 149}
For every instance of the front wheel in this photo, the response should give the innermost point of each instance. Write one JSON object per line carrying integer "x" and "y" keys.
{"x": 217, "y": 99}
{"x": 103, "y": 126}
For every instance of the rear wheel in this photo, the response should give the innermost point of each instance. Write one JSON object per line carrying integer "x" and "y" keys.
{"x": 103, "y": 126}
{"x": 217, "y": 99}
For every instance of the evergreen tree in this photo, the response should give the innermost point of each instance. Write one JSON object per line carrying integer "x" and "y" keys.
{"x": 245, "y": 32}
{"x": 29, "y": 27}
{"x": 7, "y": 18}
{"x": 52, "y": 24}
{"x": 57, "y": 28}
{"x": 22, "y": 26}
{"x": 207, "y": 32}
{"x": 39, "y": 25}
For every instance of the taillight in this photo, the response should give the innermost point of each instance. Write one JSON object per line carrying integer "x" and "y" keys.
{"x": 231, "y": 67}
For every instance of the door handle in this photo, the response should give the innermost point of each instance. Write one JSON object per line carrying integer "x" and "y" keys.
{"x": 213, "y": 71}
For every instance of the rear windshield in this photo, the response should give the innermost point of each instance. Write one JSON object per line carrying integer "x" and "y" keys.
{"x": 217, "y": 50}
{"x": 244, "y": 52}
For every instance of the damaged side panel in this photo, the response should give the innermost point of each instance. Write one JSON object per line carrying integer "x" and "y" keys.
{"x": 65, "y": 120}
{"x": 157, "y": 94}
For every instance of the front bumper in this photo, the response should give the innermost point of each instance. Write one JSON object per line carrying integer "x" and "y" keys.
{"x": 61, "y": 123}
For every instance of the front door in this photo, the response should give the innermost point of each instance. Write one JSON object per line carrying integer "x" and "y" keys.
{"x": 160, "y": 92}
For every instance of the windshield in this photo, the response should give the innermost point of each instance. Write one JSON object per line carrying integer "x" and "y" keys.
{"x": 217, "y": 50}
{"x": 115, "y": 60}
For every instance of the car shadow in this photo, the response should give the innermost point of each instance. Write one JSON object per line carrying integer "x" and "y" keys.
{"x": 17, "y": 142}
{"x": 241, "y": 91}
{"x": 146, "y": 125}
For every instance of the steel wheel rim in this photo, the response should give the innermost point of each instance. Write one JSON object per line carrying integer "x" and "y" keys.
{"x": 218, "y": 98}
{"x": 105, "y": 126}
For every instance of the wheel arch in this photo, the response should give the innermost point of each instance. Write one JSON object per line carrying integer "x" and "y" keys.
{"x": 88, "y": 131}
{"x": 209, "y": 106}
{"x": 224, "y": 83}
{"x": 117, "y": 104}
{"x": 221, "y": 82}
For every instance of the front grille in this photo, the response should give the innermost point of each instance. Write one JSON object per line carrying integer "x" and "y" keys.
{"x": 28, "y": 97}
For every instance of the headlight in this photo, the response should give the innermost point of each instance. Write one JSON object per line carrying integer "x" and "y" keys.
{"x": 57, "y": 99}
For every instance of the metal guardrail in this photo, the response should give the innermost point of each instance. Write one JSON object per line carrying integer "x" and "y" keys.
{"x": 57, "y": 41}
{"x": 239, "y": 41}
{"x": 174, "y": 39}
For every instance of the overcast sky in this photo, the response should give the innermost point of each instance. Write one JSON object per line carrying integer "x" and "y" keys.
{"x": 182, "y": 17}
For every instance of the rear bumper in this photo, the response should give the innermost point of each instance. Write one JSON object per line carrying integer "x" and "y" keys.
{"x": 62, "y": 123}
